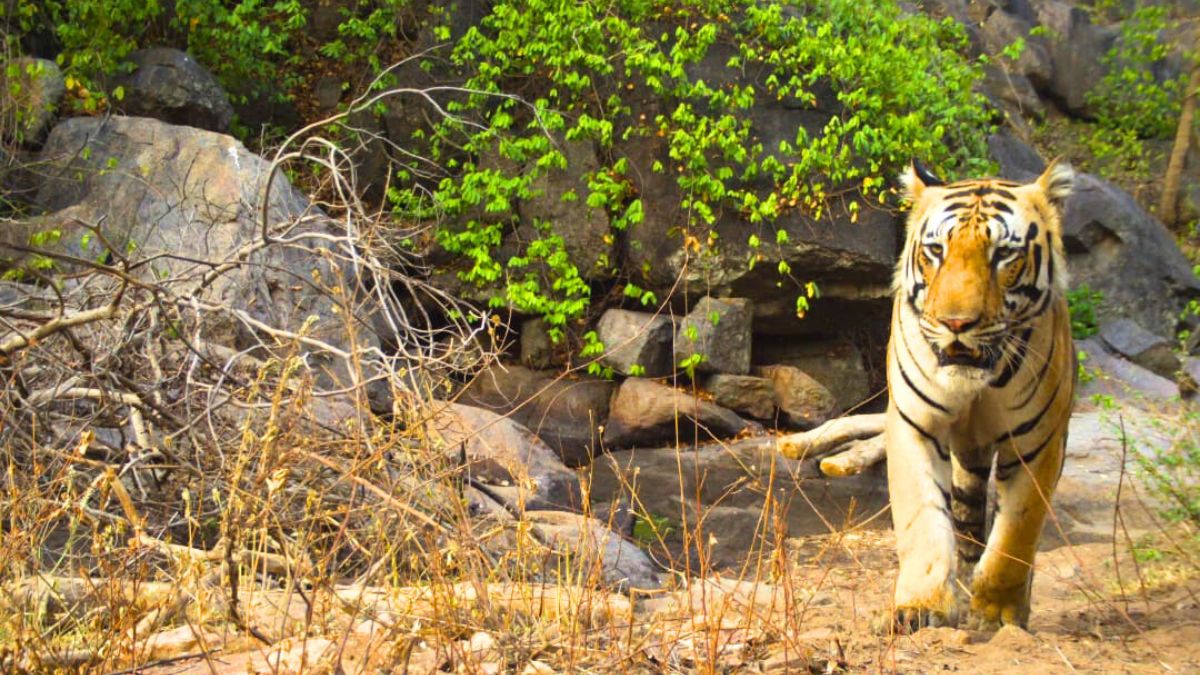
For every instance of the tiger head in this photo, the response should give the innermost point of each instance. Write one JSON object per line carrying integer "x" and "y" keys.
{"x": 982, "y": 261}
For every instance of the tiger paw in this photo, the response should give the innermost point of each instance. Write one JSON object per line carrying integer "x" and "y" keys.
{"x": 907, "y": 620}
{"x": 993, "y": 607}
{"x": 937, "y": 609}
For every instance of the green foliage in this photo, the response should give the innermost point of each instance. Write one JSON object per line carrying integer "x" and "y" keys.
{"x": 1130, "y": 103}
{"x": 651, "y": 529}
{"x": 252, "y": 46}
{"x": 1082, "y": 303}
{"x": 1173, "y": 472}
{"x": 583, "y": 70}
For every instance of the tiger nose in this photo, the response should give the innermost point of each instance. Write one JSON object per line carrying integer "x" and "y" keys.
{"x": 958, "y": 324}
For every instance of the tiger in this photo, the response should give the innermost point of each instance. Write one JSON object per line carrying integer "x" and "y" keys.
{"x": 981, "y": 379}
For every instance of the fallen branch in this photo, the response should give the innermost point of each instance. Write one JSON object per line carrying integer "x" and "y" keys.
{"x": 856, "y": 458}
{"x": 49, "y": 328}
{"x": 830, "y": 436}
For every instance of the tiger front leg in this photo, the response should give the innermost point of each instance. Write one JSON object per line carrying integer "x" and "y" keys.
{"x": 919, "y": 485}
{"x": 1001, "y": 585}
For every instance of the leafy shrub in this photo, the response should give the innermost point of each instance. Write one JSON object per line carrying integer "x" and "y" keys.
{"x": 1130, "y": 103}
{"x": 1082, "y": 303}
{"x": 252, "y": 46}
{"x": 901, "y": 91}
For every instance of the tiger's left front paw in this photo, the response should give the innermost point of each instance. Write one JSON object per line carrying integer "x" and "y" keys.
{"x": 996, "y": 606}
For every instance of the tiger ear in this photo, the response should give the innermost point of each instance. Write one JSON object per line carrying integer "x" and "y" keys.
{"x": 916, "y": 178}
{"x": 1056, "y": 182}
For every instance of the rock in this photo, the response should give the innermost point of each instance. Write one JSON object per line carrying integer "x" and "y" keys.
{"x": 1139, "y": 345}
{"x": 836, "y": 363}
{"x": 593, "y": 548}
{"x": 1002, "y": 29}
{"x": 644, "y": 413}
{"x": 30, "y": 90}
{"x": 506, "y": 456}
{"x": 802, "y": 401}
{"x": 1017, "y": 159}
{"x": 178, "y": 195}
{"x": 1117, "y": 248}
{"x": 748, "y": 394}
{"x": 565, "y": 413}
{"x": 171, "y": 86}
{"x": 537, "y": 350}
{"x": 1013, "y": 93}
{"x": 1077, "y": 47}
{"x": 327, "y": 92}
{"x": 636, "y": 339}
{"x": 1121, "y": 379}
{"x": 718, "y": 330}
{"x": 728, "y": 483}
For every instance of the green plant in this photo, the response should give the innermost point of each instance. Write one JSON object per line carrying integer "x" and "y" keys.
{"x": 1082, "y": 303}
{"x": 1172, "y": 472}
{"x": 1131, "y": 104}
{"x": 583, "y": 70}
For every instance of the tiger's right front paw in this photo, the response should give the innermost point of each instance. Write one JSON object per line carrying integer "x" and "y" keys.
{"x": 937, "y": 608}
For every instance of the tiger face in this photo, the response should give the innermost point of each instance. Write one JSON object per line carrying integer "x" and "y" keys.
{"x": 982, "y": 261}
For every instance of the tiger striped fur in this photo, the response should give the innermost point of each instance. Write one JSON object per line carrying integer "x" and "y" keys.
{"x": 981, "y": 379}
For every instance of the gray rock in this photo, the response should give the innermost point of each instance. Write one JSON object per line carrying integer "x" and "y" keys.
{"x": 636, "y": 339}
{"x": 566, "y": 413}
{"x": 803, "y": 402}
{"x": 1013, "y": 93}
{"x": 754, "y": 396}
{"x": 645, "y": 413}
{"x": 1017, "y": 159}
{"x": 836, "y": 363}
{"x": 1117, "y": 248}
{"x": 171, "y": 86}
{"x": 1110, "y": 375}
{"x": 1002, "y": 29}
{"x": 1127, "y": 338}
{"x": 1077, "y": 47}
{"x": 177, "y": 195}
{"x": 504, "y": 455}
{"x": 592, "y": 548}
{"x": 719, "y": 330}
{"x": 30, "y": 90}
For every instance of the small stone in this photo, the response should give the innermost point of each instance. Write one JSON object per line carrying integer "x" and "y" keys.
{"x": 719, "y": 331}
{"x": 1139, "y": 345}
{"x": 748, "y": 394}
{"x": 804, "y": 402}
{"x": 636, "y": 343}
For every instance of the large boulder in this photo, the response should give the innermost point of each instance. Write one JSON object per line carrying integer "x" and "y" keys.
{"x": 169, "y": 85}
{"x": 565, "y": 412}
{"x": 646, "y": 413}
{"x": 1002, "y": 29}
{"x": 718, "y": 330}
{"x": 30, "y": 90}
{"x": 636, "y": 341}
{"x": 1077, "y": 48}
{"x": 1116, "y": 247}
{"x": 185, "y": 200}
{"x": 504, "y": 455}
